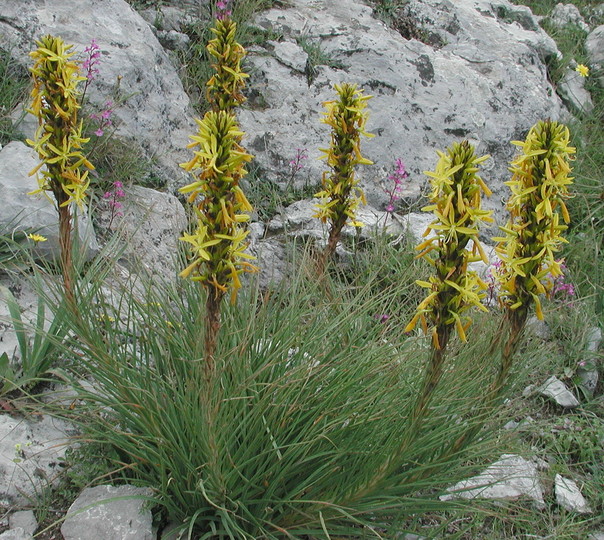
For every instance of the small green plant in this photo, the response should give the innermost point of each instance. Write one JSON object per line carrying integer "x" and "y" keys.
{"x": 341, "y": 195}
{"x": 36, "y": 356}
{"x": 59, "y": 140}
{"x": 316, "y": 57}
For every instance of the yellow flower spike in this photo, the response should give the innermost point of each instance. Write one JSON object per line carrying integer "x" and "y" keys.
{"x": 341, "y": 196}
{"x": 218, "y": 243}
{"x": 224, "y": 89}
{"x": 539, "y": 188}
{"x": 59, "y": 139}
{"x": 455, "y": 202}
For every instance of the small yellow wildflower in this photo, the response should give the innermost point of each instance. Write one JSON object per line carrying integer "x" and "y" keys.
{"x": 582, "y": 70}
{"x": 37, "y": 238}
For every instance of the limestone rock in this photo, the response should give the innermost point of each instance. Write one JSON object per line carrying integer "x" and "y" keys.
{"x": 29, "y": 453}
{"x": 24, "y": 519}
{"x": 96, "y": 514}
{"x": 567, "y": 14}
{"x": 594, "y": 44}
{"x": 151, "y": 225}
{"x": 289, "y": 54}
{"x": 572, "y": 90}
{"x": 156, "y": 112}
{"x": 569, "y": 496}
{"x": 555, "y": 389}
{"x": 594, "y": 338}
{"x": 509, "y": 478}
{"x": 538, "y": 328}
{"x": 16, "y": 534}
{"x": 487, "y": 83}
{"x": 22, "y": 211}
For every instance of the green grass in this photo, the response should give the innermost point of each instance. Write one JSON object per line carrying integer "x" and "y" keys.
{"x": 14, "y": 81}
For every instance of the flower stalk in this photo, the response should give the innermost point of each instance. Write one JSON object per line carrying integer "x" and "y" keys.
{"x": 455, "y": 199}
{"x": 341, "y": 195}
{"x": 218, "y": 242}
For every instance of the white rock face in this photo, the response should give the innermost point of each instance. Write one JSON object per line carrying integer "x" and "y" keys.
{"x": 151, "y": 226}
{"x": 572, "y": 90}
{"x": 569, "y": 496}
{"x": 595, "y": 49}
{"x": 509, "y": 478}
{"x": 34, "y": 212}
{"x": 555, "y": 389}
{"x": 156, "y": 112}
{"x": 566, "y": 14}
{"x": 487, "y": 83}
{"x": 94, "y": 515}
{"x": 29, "y": 454}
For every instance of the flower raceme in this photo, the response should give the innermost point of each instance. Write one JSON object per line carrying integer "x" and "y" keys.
{"x": 533, "y": 234}
{"x": 225, "y": 86}
{"x": 218, "y": 243}
{"x": 456, "y": 203}
{"x": 58, "y": 139}
{"x": 341, "y": 196}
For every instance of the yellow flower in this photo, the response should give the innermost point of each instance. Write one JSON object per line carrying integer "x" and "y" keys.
{"x": 37, "y": 238}
{"x": 582, "y": 70}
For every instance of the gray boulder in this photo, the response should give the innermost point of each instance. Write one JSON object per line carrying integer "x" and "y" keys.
{"x": 109, "y": 513}
{"x": 567, "y": 14}
{"x": 509, "y": 478}
{"x": 556, "y": 390}
{"x": 572, "y": 90}
{"x": 150, "y": 226}
{"x": 569, "y": 496}
{"x": 22, "y": 211}
{"x": 156, "y": 111}
{"x": 595, "y": 49}
{"x": 486, "y": 82}
{"x": 30, "y": 451}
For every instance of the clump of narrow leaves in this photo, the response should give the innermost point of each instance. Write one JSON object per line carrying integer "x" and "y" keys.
{"x": 58, "y": 139}
{"x": 225, "y": 86}
{"x": 341, "y": 196}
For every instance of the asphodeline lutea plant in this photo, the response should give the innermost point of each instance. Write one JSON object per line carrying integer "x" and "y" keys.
{"x": 63, "y": 168}
{"x": 341, "y": 196}
{"x": 538, "y": 217}
{"x": 218, "y": 242}
{"x": 224, "y": 89}
{"x": 452, "y": 243}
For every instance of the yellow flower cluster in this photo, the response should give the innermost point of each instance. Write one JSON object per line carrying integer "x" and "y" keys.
{"x": 539, "y": 188}
{"x": 225, "y": 86}
{"x": 456, "y": 203}
{"x": 340, "y": 195}
{"x": 58, "y": 139}
{"x": 218, "y": 242}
